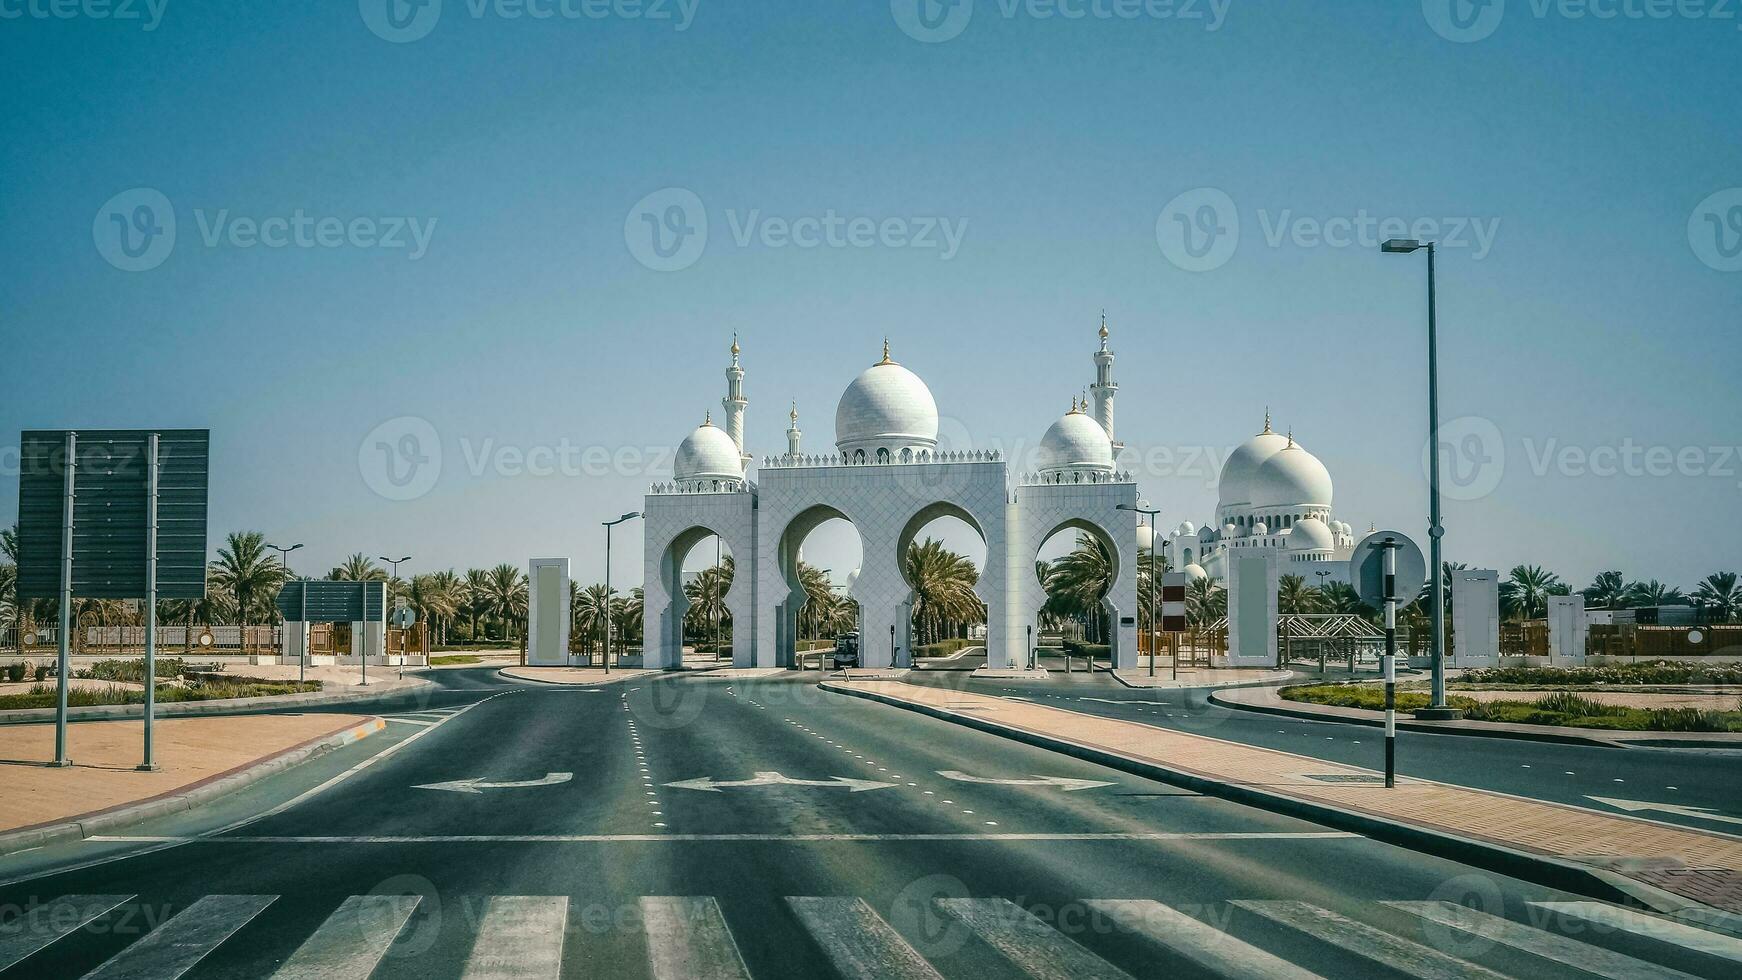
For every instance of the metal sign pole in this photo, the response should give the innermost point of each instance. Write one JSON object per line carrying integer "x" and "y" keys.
{"x": 66, "y": 604}
{"x": 307, "y": 637}
{"x": 1389, "y": 549}
{"x": 151, "y": 472}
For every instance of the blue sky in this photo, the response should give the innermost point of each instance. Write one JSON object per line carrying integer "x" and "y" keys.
{"x": 1595, "y": 313}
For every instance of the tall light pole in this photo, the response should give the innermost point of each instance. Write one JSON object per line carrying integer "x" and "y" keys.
{"x": 608, "y": 526}
{"x": 302, "y": 654}
{"x": 1142, "y": 507}
{"x": 1436, "y": 530}
{"x": 392, "y": 577}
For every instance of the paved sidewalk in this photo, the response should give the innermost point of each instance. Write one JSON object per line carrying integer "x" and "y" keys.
{"x": 190, "y": 752}
{"x": 1195, "y": 676}
{"x": 1672, "y": 868}
{"x": 576, "y": 676}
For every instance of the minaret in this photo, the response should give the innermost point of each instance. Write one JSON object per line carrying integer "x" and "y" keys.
{"x": 1105, "y": 387}
{"x": 792, "y": 433}
{"x": 735, "y": 402}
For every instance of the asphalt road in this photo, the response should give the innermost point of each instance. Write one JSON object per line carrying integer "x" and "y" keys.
{"x": 696, "y": 827}
{"x": 1695, "y": 778}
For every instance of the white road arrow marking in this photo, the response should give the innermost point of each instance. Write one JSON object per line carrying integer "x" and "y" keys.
{"x": 1065, "y": 783}
{"x": 712, "y": 785}
{"x": 1121, "y": 701}
{"x": 478, "y": 785}
{"x": 1696, "y": 812}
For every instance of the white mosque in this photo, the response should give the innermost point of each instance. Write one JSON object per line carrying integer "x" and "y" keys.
{"x": 888, "y": 475}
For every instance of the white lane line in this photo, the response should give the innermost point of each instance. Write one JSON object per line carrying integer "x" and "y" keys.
{"x": 687, "y": 939}
{"x": 858, "y": 943}
{"x": 1033, "y": 946}
{"x": 521, "y": 938}
{"x": 1360, "y": 939}
{"x": 1650, "y": 926}
{"x": 51, "y": 920}
{"x": 796, "y": 838}
{"x": 406, "y": 721}
{"x": 178, "y": 945}
{"x": 1594, "y": 960}
{"x": 353, "y": 940}
{"x": 1203, "y": 944}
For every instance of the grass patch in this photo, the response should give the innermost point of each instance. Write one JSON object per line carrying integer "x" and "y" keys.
{"x": 455, "y": 660}
{"x": 43, "y": 695}
{"x": 1562, "y": 708}
{"x": 1650, "y": 672}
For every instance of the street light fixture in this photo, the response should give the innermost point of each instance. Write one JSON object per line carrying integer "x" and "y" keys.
{"x": 282, "y": 552}
{"x": 392, "y": 577}
{"x": 302, "y": 659}
{"x": 1436, "y": 530}
{"x": 1142, "y": 507}
{"x": 608, "y": 526}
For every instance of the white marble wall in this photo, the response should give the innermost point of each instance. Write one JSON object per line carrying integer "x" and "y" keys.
{"x": 675, "y": 523}
{"x": 1253, "y": 576}
{"x": 1567, "y": 628}
{"x": 1475, "y": 617}
{"x": 547, "y": 650}
{"x": 1043, "y": 510}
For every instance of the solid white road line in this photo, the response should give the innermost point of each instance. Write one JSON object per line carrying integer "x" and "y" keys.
{"x": 1200, "y": 942}
{"x": 353, "y": 940}
{"x": 1594, "y": 960}
{"x": 857, "y": 941}
{"x": 1033, "y": 946}
{"x": 521, "y": 938}
{"x": 37, "y": 927}
{"x": 1363, "y": 940}
{"x": 1650, "y": 926}
{"x": 727, "y": 838}
{"x": 175, "y": 947}
{"x": 687, "y": 939}
{"x": 408, "y": 721}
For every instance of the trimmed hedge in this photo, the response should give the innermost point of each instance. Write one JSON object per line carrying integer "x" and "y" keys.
{"x": 1562, "y": 708}
{"x": 945, "y": 648}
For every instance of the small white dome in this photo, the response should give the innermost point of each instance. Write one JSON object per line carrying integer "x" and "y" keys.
{"x": 886, "y": 407}
{"x": 1310, "y": 534}
{"x": 1234, "y": 485}
{"x": 1145, "y": 537}
{"x": 1291, "y": 477}
{"x": 1260, "y": 528}
{"x": 1186, "y": 527}
{"x": 708, "y": 454}
{"x": 1228, "y": 530}
{"x": 1075, "y": 442}
{"x": 1195, "y": 571}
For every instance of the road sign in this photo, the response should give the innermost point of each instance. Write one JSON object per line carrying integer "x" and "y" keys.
{"x": 332, "y": 602}
{"x": 1367, "y": 568}
{"x": 1173, "y": 602}
{"x": 110, "y": 503}
{"x": 404, "y": 618}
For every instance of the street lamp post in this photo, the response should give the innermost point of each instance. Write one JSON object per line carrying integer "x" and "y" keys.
{"x": 1142, "y": 507}
{"x": 302, "y": 654}
{"x": 1436, "y": 530}
{"x": 608, "y": 526}
{"x": 392, "y": 577}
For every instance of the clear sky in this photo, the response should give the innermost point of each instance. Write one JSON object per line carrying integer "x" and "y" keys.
{"x": 457, "y": 195}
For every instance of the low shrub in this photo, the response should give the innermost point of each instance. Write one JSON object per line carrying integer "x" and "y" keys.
{"x": 945, "y": 648}
{"x": 1649, "y": 672}
{"x": 1561, "y": 708}
{"x": 1094, "y": 651}
{"x": 40, "y": 674}
{"x": 133, "y": 671}
{"x": 15, "y": 672}
{"x": 43, "y": 696}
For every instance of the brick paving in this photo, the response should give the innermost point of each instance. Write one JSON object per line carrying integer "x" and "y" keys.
{"x": 1703, "y": 867}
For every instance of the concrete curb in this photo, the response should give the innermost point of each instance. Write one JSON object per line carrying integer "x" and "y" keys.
{"x": 1547, "y": 733}
{"x": 1266, "y": 682}
{"x": 176, "y": 801}
{"x": 1540, "y": 869}
{"x": 503, "y": 673}
{"x": 222, "y": 706}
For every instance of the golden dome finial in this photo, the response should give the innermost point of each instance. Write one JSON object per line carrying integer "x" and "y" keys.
{"x": 1266, "y": 420}
{"x": 735, "y": 348}
{"x": 1103, "y": 324}
{"x": 794, "y": 415}
{"x": 1290, "y": 437}
{"x": 886, "y": 359}
{"x": 708, "y": 417}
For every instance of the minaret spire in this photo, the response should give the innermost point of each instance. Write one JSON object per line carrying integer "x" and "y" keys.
{"x": 793, "y": 435}
{"x": 735, "y": 403}
{"x": 1104, "y": 387}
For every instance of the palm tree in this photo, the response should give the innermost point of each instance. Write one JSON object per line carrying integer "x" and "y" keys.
{"x": 1341, "y": 597}
{"x": 1717, "y": 592}
{"x": 1422, "y": 598}
{"x": 358, "y": 569}
{"x": 1607, "y": 591}
{"x": 943, "y": 591}
{"x": 587, "y": 612}
{"x": 1655, "y": 593}
{"x": 507, "y": 597}
{"x": 1294, "y": 596}
{"x": 626, "y": 616}
{"x": 1077, "y": 582}
{"x": 707, "y": 597}
{"x": 1149, "y": 563}
{"x": 477, "y": 598}
{"x": 1524, "y": 594}
{"x": 436, "y": 596}
{"x": 250, "y": 577}
{"x": 1206, "y": 601}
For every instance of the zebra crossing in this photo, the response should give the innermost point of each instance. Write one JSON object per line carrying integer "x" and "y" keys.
{"x": 523, "y": 937}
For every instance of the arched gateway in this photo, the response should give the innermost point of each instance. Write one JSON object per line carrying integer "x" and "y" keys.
{"x": 889, "y": 478}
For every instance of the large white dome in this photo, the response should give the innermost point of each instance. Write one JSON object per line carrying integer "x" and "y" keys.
{"x": 1235, "y": 485}
{"x": 1291, "y": 477}
{"x": 886, "y": 407}
{"x": 1074, "y": 443}
{"x": 708, "y": 454}
{"x": 1311, "y": 534}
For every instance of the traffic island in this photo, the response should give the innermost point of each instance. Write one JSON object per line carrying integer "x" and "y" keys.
{"x": 1667, "y": 868}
